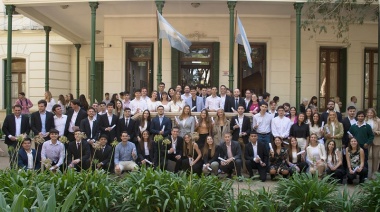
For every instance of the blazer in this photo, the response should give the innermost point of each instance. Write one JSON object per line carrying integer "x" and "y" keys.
{"x": 85, "y": 127}
{"x": 199, "y": 103}
{"x": 103, "y": 157}
{"x": 235, "y": 149}
{"x": 23, "y": 159}
{"x": 141, "y": 149}
{"x": 73, "y": 153}
{"x": 228, "y": 103}
{"x": 346, "y": 127}
{"x": 240, "y": 102}
{"x": 81, "y": 115}
{"x": 262, "y": 152}
{"x": 338, "y": 133}
{"x": 207, "y": 159}
{"x": 376, "y": 131}
{"x": 248, "y": 106}
{"x": 132, "y": 128}
{"x": 36, "y": 123}
{"x": 156, "y": 127}
{"x": 187, "y": 127}
{"x": 246, "y": 127}
{"x": 103, "y": 124}
{"x": 218, "y": 133}
{"x": 9, "y": 127}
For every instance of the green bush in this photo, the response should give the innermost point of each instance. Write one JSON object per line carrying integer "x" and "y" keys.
{"x": 370, "y": 194}
{"x": 261, "y": 200}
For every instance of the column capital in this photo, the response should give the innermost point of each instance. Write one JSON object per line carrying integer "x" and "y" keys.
{"x": 160, "y": 5}
{"x": 231, "y": 5}
{"x": 77, "y": 45}
{"x": 9, "y": 9}
{"x": 94, "y": 6}
{"x": 47, "y": 29}
{"x": 298, "y": 7}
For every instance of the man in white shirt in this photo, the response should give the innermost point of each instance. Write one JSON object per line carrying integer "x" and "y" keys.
{"x": 144, "y": 94}
{"x": 248, "y": 99}
{"x": 272, "y": 108}
{"x": 53, "y": 150}
{"x": 213, "y": 102}
{"x": 138, "y": 105}
{"x": 126, "y": 101}
{"x": 281, "y": 124}
{"x": 262, "y": 124}
{"x": 59, "y": 119}
{"x": 187, "y": 94}
{"x": 102, "y": 109}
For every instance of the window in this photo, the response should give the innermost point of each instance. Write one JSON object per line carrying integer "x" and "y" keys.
{"x": 18, "y": 78}
{"x": 252, "y": 78}
{"x": 370, "y": 78}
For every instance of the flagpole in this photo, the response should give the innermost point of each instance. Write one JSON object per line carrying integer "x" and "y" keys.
{"x": 159, "y": 5}
{"x": 231, "y": 6}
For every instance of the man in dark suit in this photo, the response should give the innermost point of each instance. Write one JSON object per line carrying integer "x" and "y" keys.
{"x": 330, "y": 107}
{"x": 203, "y": 94}
{"x": 14, "y": 125}
{"x": 74, "y": 116}
{"x": 174, "y": 150}
{"x": 230, "y": 151}
{"x": 256, "y": 156}
{"x": 240, "y": 125}
{"x": 42, "y": 122}
{"x": 90, "y": 126}
{"x": 347, "y": 122}
{"x": 78, "y": 153}
{"x": 161, "y": 89}
{"x": 108, "y": 124}
{"x": 160, "y": 124}
{"x": 103, "y": 155}
{"x": 129, "y": 125}
{"x": 237, "y": 100}
{"x": 228, "y": 100}
{"x": 23, "y": 160}
{"x": 248, "y": 100}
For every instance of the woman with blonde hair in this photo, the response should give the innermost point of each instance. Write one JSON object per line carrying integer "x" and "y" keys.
{"x": 185, "y": 121}
{"x": 192, "y": 155}
{"x": 374, "y": 121}
{"x": 316, "y": 156}
{"x": 176, "y": 104}
{"x": 50, "y": 101}
{"x": 221, "y": 126}
{"x": 203, "y": 127}
{"x": 333, "y": 130}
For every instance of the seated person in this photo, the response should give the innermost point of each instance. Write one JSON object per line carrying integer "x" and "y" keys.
{"x": 334, "y": 162}
{"x": 145, "y": 148}
{"x": 103, "y": 154}
{"x": 277, "y": 157}
{"x": 125, "y": 155}
{"x": 192, "y": 156}
{"x": 355, "y": 162}
{"x": 78, "y": 152}
{"x": 53, "y": 150}
{"x": 27, "y": 156}
{"x": 256, "y": 156}
{"x": 296, "y": 160}
{"x": 230, "y": 152}
{"x": 210, "y": 154}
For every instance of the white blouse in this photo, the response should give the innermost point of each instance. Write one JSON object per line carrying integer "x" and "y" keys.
{"x": 176, "y": 107}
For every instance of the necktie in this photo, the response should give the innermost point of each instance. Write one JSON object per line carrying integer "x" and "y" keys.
{"x": 78, "y": 145}
{"x": 236, "y": 104}
{"x": 229, "y": 151}
{"x": 127, "y": 122}
{"x": 160, "y": 120}
{"x": 204, "y": 100}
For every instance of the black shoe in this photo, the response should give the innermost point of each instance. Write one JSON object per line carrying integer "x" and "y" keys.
{"x": 350, "y": 181}
{"x": 229, "y": 176}
{"x": 272, "y": 176}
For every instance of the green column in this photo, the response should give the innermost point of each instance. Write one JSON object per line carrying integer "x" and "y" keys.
{"x": 231, "y": 7}
{"x": 8, "y": 75}
{"x": 78, "y": 54}
{"x": 298, "y": 8}
{"x": 47, "y": 32}
{"x": 94, "y": 6}
{"x": 159, "y": 5}
{"x": 378, "y": 66}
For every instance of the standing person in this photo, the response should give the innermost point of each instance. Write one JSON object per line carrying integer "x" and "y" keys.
{"x": 103, "y": 155}
{"x": 210, "y": 154}
{"x": 125, "y": 155}
{"x": 90, "y": 126}
{"x": 171, "y": 93}
{"x": 152, "y": 102}
{"x": 221, "y": 126}
{"x": 78, "y": 153}
{"x": 237, "y": 100}
{"x": 353, "y": 102}
{"x": 102, "y": 108}
{"x": 256, "y": 156}
{"x": 240, "y": 126}
{"x": 165, "y": 101}
{"x": 262, "y": 124}
{"x": 160, "y": 125}
{"x": 114, "y": 98}
{"x": 334, "y": 162}
{"x": 106, "y": 98}
{"x": 50, "y": 102}
{"x": 296, "y": 160}
{"x": 59, "y": 119}
{"x": 316, "y": 127}
{"x": 313, "y": 102}
{"x": 334, "y": 130}
{"x": 14, "y": 125}
{"x": 316, "y": 156}
{"x": 308, "y": 115}
{"x": 68, "y": 99}
{"x": 363, "y": 134}
{"x": 304, "y": 105}
{"x": 25, "y": 104}
{"x": 248, "y": 100}
{"x": 204, "y": 127}
{"x": 144, "y": 94}
{"x": 301, "y": 132}
{"x": 330, "y": 107}
{"x": 27, "y": 157}
{"x": 192, "y": 156}
{"x": 161, "y": 90}
{"x": 143, "y": 123}
{"x": 176, "y": 104}
{"x": 272, "y": 109}
{"x": 355, "y": 157}
{"x": 347, "y": 123}
{"x": 280, "y": 125}
{"x": 119, "y": 111}
{"x": 185, "y": 121}
{"x": 226, "y": 102}
{"x": 374, "y": 122}
{"x": 277, "y": 157}
{"x": 186, "y": 93}
{"x": 74, "y": 116}
{"x": 203, "y": 94}
{"x": 129, "y": 125}
{"x": 195, "y": 102}
{"x": 127, "y": 100}
{"x": 62, "y": 103}
{"x": 83, "y": 102}
{"x": 108, "y": 124}
{"x": 293, "y": 115}
{"x": 145, "y": 148}
{"x": 230, "y": 152}
{"x": 213, "y": 102}
{"x": 254, "y": 105}
{"x": 53, "y": 150}
{"x": 138, "y": 105}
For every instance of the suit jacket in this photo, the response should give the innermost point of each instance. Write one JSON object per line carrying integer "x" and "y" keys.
{"x": 156, "y": 127}
{"x": 86, "y": 128}
{"x": 81, "y": 115}
{"x": 9, "y": 127}
{"x": 132, "y": 128}
{"x": 346, "y": 127}
{"x": 159, "y": 150}
{"x": 248, "y": 106}
{"x": 207, "y": 159}
{"x": 141, "y": 150}
{"x": 235, "y": 149}
{"x": 240, "y": 102}
{"x": 83, "y": 153}
{"x": 104, "y": 156}
{"x": 23, "y": 159}
{"x": 36, "y": 123}
{"x": 228, "y": 103}
{"x": 103, "y": 124}
{"x": 246, "y": 127}
{"x": 262, "y": 152}
{"x": 199, "y": 104}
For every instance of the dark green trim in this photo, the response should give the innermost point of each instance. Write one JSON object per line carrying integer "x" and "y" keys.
{"x": 8, "y": 74}
{"x": 160, "y": 5}
{"x": 342, "y": 89}
{"x": 378, "y": 65}
{"x": 298, "y": 8}
{"x": 215, "y": 63}
{"x": 77, "y": 46}
{"x": 231, "y": 7}
{"x": 150, "y": 72}
{"x": 93, "y": 6}
{"x": 47, "y": 40}
{"x": 175, "y": 66}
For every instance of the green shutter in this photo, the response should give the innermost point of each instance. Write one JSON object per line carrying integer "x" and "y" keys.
{"x": 5, "y": 87}
{"x": 175, "y": 67}
{"x": 215, "y": 63}
{"x": 342, "y": 90}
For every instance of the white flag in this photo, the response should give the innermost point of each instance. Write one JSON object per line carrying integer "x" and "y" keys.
{"x": 241, "y": 38}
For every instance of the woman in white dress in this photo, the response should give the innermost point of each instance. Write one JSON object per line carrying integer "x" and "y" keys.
{"x": 176, "y": 104}
{"x": 50, "y": 101}
{"x": 185, "y": 121}
{"x": 165, "y": 101}
{"x": 152, "y": 102}
{"x": 316, "y": 156}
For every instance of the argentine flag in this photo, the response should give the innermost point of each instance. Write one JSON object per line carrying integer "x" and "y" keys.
{"x": 176, "y": 39}
{"x": 241, "y": 38}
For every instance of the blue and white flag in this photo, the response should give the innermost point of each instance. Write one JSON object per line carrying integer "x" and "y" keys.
{"x": 241, "y": 38}
{"x": 176, "y": 39}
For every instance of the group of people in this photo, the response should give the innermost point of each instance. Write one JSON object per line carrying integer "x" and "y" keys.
{"x": 245, "y": 133}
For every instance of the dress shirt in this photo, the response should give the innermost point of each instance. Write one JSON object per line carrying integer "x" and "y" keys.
{"x": 43, "y": 122}
{"x": 55, "y": 152}
{"x": 184, "y": 96}
{"x": 72, "y": 121}
{"x": 123, "y": 152}
{"x": 25, "y": 102}
{"x": 264, "y": 122}
{"x": 30, "y": 159}
{"x": 240, "y": 122}
{"x": 60, "y": 123}
{"x": 229, "y": 151}
{"x": 126, "y": 120}
{"x": 146, "y": 148}
{"x": 50, "y": 105}
{"x": 254, "y": 147}
{"x": 273, "y": 113}
{"x": 174, "y": 143}
{"x": 138, "y": 104}
{"x": 109, "y": 116}
{"x": 222, "y": 101}
{"x": 247, "y": 102}
{"x": 213, "y": 103}
{"x": 91, "y": 124}
{"x": 176, "y": 107}
{"x": 152, "y": 106}
{"x": 281, "y": 127}
{"x": 352, "y": 121}
{"x": 18, "y": 125}
{"x": 126, "y": 104}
